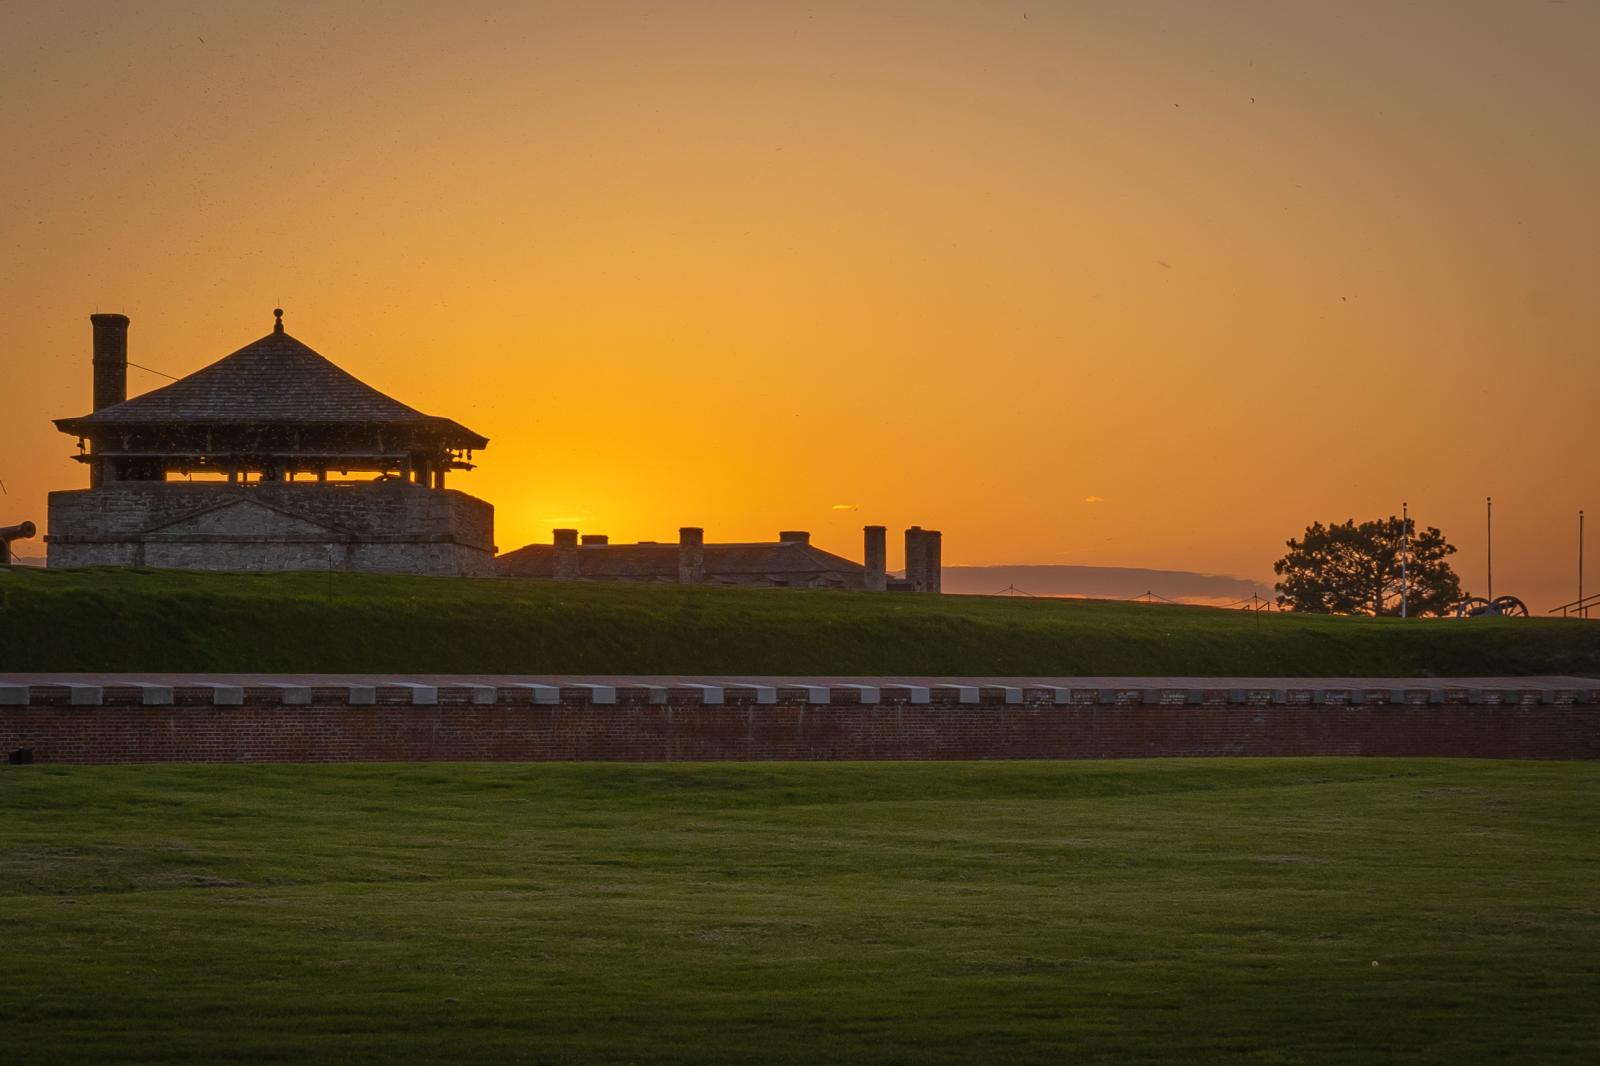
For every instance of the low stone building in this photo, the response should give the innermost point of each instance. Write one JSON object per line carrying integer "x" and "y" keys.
{"x": 273, "y": 432}
{"x": 791, "y": 561}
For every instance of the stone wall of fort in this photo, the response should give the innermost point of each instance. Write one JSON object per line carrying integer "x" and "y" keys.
{"x": 372, "y": 526}
{"x": 382, "y": 721}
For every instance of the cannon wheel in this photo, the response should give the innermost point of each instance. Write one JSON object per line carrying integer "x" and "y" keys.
{"x": 1510, "y": 607}
{"x": 1499, "y": 607}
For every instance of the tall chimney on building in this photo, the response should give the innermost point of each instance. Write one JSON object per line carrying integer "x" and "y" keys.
{"x": 875, "y": 558}
{"x": 564, "y": 567}
{"x": 794, "y": 536}
{"x": 691, "y": 555}
{"x": 110, "y": 359}
{"x": 916, "y": 559}
{"x": 932, "y": 561}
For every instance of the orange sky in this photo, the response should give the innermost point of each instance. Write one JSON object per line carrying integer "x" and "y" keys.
{"x": 1227, "y": 267}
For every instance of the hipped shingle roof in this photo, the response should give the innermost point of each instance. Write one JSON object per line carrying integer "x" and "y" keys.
{"x": 275, "y": 380}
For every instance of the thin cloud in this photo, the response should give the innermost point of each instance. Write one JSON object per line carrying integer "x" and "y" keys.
{"x": 846, "y": 507}
{"x": 1094, "y": 499}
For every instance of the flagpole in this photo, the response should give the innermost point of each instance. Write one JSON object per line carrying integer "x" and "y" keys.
{"x": 1405, "y": 550}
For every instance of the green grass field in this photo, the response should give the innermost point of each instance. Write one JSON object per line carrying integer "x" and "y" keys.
{"x": 167, "y": 620}
{"x": 1263, "y": 911}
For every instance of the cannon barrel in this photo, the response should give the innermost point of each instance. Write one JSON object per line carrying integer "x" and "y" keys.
{"x": 20, "y": 531}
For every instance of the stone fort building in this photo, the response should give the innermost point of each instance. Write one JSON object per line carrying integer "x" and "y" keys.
{"x": 247, "y": 463}
{"x": 790, "y": 562}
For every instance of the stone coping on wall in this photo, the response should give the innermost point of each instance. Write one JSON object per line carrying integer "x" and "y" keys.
{"x": 222, "y": 690}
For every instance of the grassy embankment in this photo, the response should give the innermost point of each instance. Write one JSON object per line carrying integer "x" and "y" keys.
{"x": 1276, "y": 911}
{"x": 166, "y": 620}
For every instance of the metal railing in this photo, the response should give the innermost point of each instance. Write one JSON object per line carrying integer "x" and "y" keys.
{"x": 1580, "y": 608}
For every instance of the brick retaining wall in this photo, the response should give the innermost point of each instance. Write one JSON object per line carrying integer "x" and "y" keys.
{"x": 287, "y": 722}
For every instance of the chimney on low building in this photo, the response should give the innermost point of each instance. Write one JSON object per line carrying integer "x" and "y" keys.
{"x": 594, "y": 538}
{"x": 564, "y": 567}
{"x": 110, "y": 359}
{"x": 916, "y": 559}
{"x": 794, "y": 536}
{"x": 875, "y": 558}
{"x": 924, "y": 559}
{"x": 933, "y": 561}
{"x": 691, "y": 555}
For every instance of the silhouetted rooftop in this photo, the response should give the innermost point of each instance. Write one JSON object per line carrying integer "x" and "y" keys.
{"x": 275, "y": 380}
{"x": 661, "y": 560}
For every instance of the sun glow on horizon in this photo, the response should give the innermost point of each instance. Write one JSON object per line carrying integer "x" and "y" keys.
{"x": 727, "y": 265}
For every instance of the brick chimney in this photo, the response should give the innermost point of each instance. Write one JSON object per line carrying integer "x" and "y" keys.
{"x": 594, "y": 538}
{"x": 691, "y": 555}
{"x": 933, "y": 561}
{"x": 916, "y": 559}
{"x": 110, "y": 359}
{"x": 794, "y": 536}
{"x": 565, "y": 565}
{"x": 875, "y": 558}
{"x": 110, "y": 379}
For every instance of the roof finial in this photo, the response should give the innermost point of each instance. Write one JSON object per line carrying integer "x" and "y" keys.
{"x": 277, "y": 324}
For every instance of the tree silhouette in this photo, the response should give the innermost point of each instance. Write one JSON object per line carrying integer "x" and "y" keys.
{"x": 1355, "y": 569}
